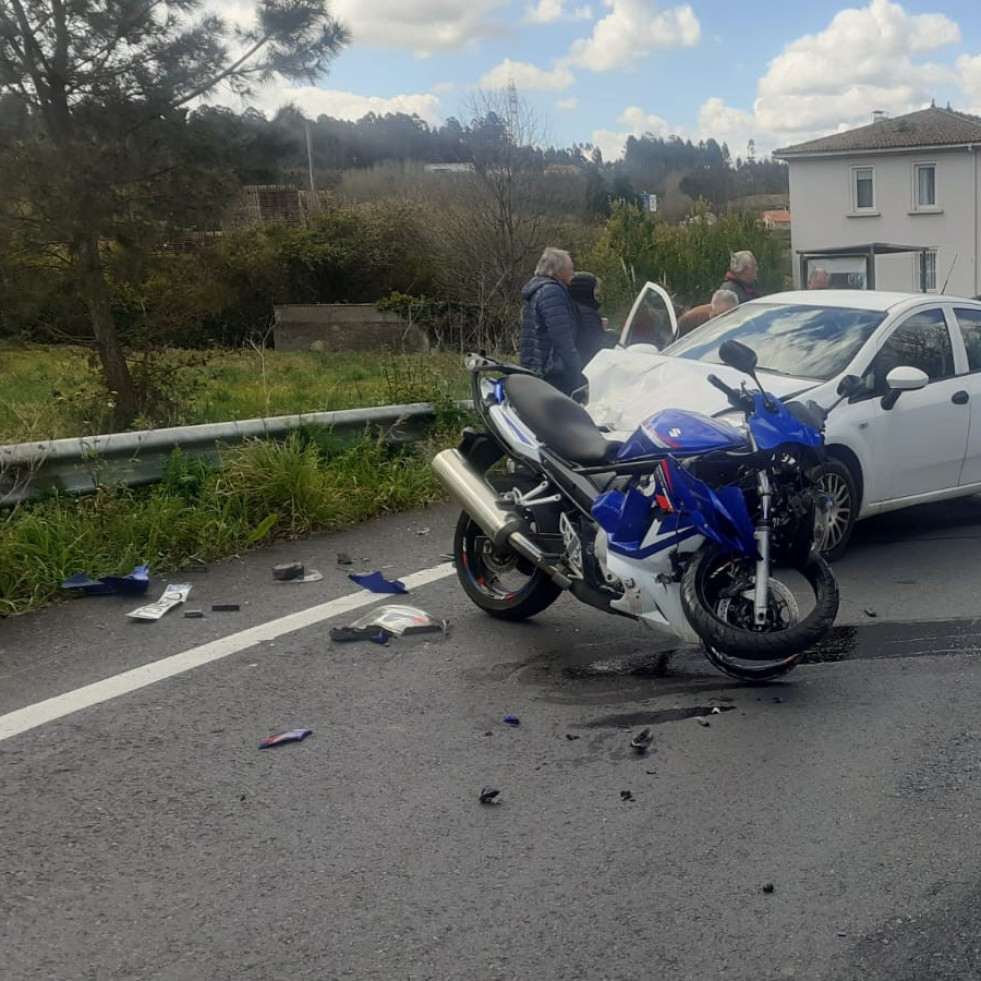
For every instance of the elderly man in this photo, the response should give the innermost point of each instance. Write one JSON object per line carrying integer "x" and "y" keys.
{"x": 741, "y": 278}
{"x": 721, "y": 301}
{"x": 819, "y": 279}
{"x": 549, "y": 323}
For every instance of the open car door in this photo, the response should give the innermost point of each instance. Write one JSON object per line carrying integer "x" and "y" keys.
{"x": 651, "y": 321}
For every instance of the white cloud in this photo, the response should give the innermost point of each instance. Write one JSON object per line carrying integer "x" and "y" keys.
{"x": 826, "y": 82}
{"x": 525, "y": 76}
{"x": 632, "y": 30}
{"x": 567, "y": 104}
{"x": 969, "y": 78}
{"x": 424, "y": 27}
{"x": 611, "y": 142}
{"x": 313, "y": 102}
{"x": 550, "y": 11}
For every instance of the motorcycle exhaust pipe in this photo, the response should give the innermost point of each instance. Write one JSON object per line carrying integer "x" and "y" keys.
{"x": 504, "y": 527}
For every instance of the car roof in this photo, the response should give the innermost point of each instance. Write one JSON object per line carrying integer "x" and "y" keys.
{"x": 854, "y": 299}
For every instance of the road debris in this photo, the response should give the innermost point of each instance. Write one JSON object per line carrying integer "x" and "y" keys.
{"x": 134, "y": 584}
{"x": 512, "y": 720}
{"x": 344, "y": 559}
{"x": 489, "y": 795}
{"x": 385, "y": 622}
{"x": 194, "y": 614}
{"x": 642, "y": 740}
{"x": 225, "y": 607}
{"x": 779, "y": 698}
{"x": 377, "y": 583}
{"x": 716, "y": 711}
{"x": 627, "y": 795}
{"x": 173, "y": 595}
{"x": 570, "y": 736}
{"x": 768, "y": 887}
{"x": 290, "y": 736}
{"x": 702, "y": 721}
{"x": 287, "y": 570}
{"x": 869, "y": 612}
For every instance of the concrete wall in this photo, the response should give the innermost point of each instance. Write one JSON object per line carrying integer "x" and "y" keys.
{"x": 820, "y": 195}
{"x": 344, "y": 327}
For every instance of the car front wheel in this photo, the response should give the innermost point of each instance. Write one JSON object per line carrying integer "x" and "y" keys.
{"x": 839, "y": 484}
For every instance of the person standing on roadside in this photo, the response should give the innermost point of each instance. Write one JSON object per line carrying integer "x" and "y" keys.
{"x": 549, "y": 322}
{"x": 591, "y": 335}
{"x": 741, "y": 278}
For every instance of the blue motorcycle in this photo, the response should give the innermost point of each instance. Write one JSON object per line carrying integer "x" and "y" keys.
{"x": 701, "y": 527}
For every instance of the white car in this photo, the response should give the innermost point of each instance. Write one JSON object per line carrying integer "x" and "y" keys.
{"x": 906, "y": 439}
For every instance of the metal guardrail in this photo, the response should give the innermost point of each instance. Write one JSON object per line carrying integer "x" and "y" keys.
{"x": 81, "y": 464}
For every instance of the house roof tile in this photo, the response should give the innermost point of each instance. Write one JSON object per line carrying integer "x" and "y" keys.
{"x": 926, "y": 127}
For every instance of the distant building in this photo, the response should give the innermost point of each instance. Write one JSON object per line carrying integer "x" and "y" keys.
{"x": 777, "y": 219}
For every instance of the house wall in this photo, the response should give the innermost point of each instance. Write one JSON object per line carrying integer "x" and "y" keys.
{"x": 821, "y": 203}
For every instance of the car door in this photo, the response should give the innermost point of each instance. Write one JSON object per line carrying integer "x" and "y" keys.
{"x": 918, "y": 445}
{"x": 651, "y": 320}
{"x": 969, "y": 323}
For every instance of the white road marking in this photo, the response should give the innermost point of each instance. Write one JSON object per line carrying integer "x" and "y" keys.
{"x": 32, "y": 716}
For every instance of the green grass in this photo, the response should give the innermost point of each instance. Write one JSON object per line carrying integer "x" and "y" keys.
{"x": 261, "y": 492}
{"x": 49, "y": 392}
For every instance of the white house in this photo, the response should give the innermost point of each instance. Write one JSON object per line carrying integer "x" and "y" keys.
{"x": 893, "y": 205}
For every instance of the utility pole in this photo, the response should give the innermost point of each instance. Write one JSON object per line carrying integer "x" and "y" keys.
{"x": 306, "y": 126}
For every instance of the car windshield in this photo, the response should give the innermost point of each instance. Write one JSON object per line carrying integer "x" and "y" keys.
{"x": 791, "y": 339}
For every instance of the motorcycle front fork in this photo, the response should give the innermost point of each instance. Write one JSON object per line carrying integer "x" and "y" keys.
{"x": 764, "y": 526}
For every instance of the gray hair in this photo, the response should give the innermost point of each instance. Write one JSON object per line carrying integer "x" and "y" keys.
{"x": 726, "y": 298}
{"x": 553, "y": 261}
{"x": 818, "y": 271}
{"x": 739, "y": 261}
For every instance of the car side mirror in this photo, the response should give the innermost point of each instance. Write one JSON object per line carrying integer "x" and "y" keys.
{"x": 903, "y": 379}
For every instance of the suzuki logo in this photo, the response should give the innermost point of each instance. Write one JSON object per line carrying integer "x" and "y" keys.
{"x": 674, "y": 433}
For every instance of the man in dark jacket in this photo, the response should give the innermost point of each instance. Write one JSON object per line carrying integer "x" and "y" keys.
{"x": 549, "y": 321}
{"x": 741, "y": 278}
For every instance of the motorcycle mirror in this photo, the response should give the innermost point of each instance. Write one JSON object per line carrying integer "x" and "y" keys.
{"x": 738, "y": 356}
{"x": 850, "y": 385}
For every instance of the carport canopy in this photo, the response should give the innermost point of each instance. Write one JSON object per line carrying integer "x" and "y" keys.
{"x": 869, "y": 251}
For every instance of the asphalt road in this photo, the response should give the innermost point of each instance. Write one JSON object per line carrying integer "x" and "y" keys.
{"x": 822, "y": 828}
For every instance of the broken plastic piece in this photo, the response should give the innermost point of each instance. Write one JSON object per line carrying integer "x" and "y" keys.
{"x": 344, "y": 559}
{"x": 512, "y": 720}
{"x": 224, "y": 607}
{"x": 768, "y": 887}
{"x": 134, "y": 584}
{"x": 627, "y": 795}
{"x": 173, "y": 595}
{"x": 290, "y": 736}
{"x": 869, "y": 612}
{"x": 489, "y": 796}
{"x": 377, "y": 583}
{"x": 401, "y": 621}
{"x": 703, "y": 722}
{"x": 642, "y": 740}
{"x": 288, "y": 570}
{"x": 194, "y": 614}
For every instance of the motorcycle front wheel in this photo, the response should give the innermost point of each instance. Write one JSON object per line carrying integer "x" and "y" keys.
{"x": 716, "y": 594}
{"x": 499, "y": 581}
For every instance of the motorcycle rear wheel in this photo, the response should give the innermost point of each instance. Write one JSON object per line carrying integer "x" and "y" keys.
{"x": 499, "y": 581}
{"x": 711, "y": 595}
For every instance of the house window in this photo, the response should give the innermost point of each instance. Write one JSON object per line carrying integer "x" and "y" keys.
{"x": 924, "y": 187}
{"x": 928, "y": 272}
{"x": 863, "y": 189}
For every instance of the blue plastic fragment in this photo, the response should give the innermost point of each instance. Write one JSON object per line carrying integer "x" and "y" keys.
{"x": 290, "y": 736}
{"x": 377, "y": 583}
{"x": 133, "y": 584}
{"x": 512, "y": 720}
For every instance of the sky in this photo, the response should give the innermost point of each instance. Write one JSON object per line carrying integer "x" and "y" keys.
{"x": 597, "y": 71}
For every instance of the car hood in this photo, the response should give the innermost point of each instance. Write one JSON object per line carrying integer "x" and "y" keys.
{"x": 626, "y": 386}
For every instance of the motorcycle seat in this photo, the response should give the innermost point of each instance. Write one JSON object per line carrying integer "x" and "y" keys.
{"x": 559, "y": 422}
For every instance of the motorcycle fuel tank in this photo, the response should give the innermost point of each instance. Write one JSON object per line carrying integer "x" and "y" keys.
{"x": 681, "y": 433}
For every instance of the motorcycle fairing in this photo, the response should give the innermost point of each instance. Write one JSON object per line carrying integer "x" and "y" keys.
{"x": 772, "y": 423}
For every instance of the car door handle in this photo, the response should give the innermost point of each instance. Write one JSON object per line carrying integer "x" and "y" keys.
{"x": 960, "y": 398}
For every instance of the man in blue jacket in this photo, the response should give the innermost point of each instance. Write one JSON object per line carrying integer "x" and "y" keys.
{"x": 549, "y": 322}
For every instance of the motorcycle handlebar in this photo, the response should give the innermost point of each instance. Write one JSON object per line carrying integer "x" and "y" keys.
{"x": 737, "y": 399}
